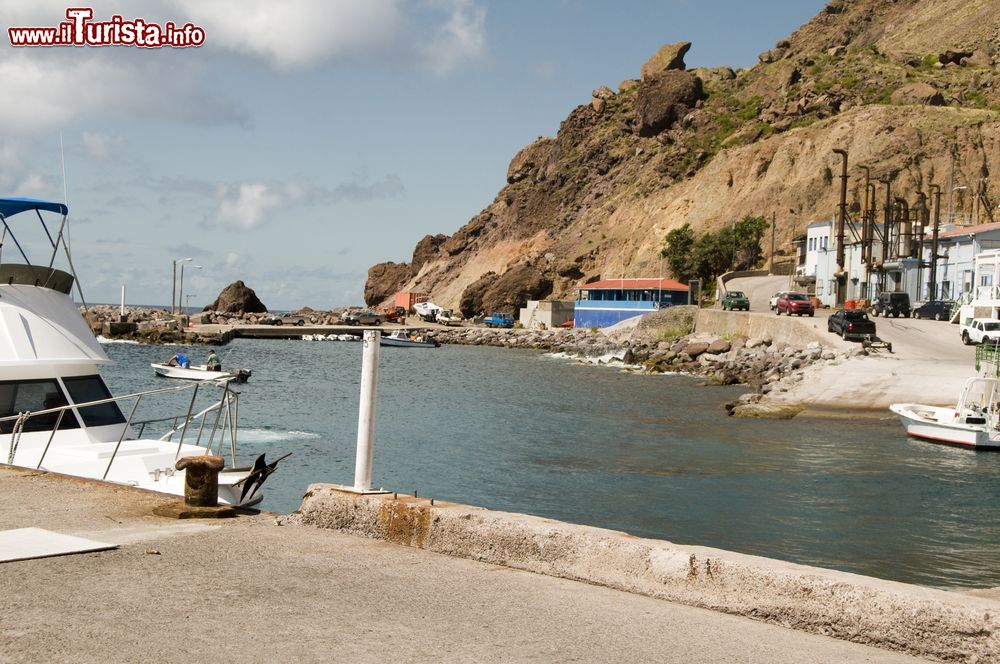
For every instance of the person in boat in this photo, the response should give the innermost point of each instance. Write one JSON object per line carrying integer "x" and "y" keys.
{"x": 179, "y": 360}
{"x": 213, "y": 363}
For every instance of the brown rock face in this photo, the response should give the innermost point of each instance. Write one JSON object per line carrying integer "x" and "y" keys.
{"x": 527, "y": 162}
{"x": 918, "y": 93}
{"x": 384, "y": 280}
{"x": 600, "y": 196}
{"x": 668, "y": 58}
{"x": 505, "y": 293}
{"x": 237, "y": 298}
{"x": 664, "y": 98}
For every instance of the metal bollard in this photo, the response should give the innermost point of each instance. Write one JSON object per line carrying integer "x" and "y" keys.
{"x": 201, "y": 481}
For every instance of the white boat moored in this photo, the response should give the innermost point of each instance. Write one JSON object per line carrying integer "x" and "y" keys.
{"x": 972, "y": 423}
{"x": 401, "y": 339}
{"x": 56, "y": 411}
{"x": 199, "y": 373}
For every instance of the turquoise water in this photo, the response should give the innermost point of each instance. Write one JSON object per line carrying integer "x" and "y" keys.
{"x": 654, "y": 456}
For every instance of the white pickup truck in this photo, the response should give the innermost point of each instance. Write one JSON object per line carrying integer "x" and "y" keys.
{"x": 980, "y": 331}
{"x": 447, "y": 317}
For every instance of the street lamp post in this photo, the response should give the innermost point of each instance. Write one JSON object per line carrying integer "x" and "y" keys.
{"x": 173, "y": 290}
{"x": 187, "y": 305}
{"x": 180, "y": 291}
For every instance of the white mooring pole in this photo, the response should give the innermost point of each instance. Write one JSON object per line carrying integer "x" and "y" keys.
{"x": 122, "y": 310}
{"x": 366, "y": 412}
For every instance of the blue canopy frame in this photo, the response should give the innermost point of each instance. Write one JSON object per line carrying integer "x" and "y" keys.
{"x": 12, "y": 206}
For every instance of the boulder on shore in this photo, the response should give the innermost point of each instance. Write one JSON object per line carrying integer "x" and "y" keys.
{"x": 236, "y": 298}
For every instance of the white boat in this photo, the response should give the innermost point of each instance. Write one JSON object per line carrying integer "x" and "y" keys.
{"x": 56, "y": 411}
{"x": 200, "y": 372}
{"x": 401, "y": 339}
{"x": 971, "y": 423}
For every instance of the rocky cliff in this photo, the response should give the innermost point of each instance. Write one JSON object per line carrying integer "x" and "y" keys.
{"x": 910, "y": 88}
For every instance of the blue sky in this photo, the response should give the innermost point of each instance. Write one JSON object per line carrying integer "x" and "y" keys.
{"x": 308, "y": 140}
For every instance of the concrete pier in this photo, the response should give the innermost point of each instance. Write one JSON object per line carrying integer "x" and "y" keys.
{"x": 275, "y": 591}
{"x": 925, "y": 622}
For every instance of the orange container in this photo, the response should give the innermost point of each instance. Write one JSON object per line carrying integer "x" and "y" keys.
{"x": 849, "y": 304}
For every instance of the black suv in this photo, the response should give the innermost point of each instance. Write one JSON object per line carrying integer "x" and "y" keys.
{"x": 893, "y": 304}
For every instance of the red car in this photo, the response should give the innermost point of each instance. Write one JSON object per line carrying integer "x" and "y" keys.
{"x": 795, "y": 303}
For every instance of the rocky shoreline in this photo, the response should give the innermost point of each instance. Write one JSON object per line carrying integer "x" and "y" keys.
{"x": 768, "y": 368}
{"x": 659, "y": 343}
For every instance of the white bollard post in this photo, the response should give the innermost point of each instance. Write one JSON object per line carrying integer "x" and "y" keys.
{"x": 366, "y": 412}
{"x": 122, "y": 310}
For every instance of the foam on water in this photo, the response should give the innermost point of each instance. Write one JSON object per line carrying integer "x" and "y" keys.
{"x": 268, "y": 436}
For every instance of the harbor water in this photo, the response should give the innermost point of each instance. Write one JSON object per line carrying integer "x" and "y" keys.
{"x": 654, "y": 456}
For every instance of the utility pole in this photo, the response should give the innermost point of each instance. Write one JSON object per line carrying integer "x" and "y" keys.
{"x": 841, "y": 219}
{"x": 773, "y": 222}
{"x": 886, "y": 231}
{"x": 922, "y": 227}
{"x": 936, "y": 191}
{"x": 951, "y": 182}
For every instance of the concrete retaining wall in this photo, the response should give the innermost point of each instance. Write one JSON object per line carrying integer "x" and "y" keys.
{"x": 792, "y": 330}
{"x": 895, "y": 616}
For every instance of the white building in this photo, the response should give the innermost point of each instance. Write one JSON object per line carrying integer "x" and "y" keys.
{"x": 958, "y": 249}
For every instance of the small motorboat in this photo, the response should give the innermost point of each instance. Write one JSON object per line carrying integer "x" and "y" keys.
{"x": 199, "y": 373}
{"x": 972, "y": 423}
{"x": 402, "y": 339}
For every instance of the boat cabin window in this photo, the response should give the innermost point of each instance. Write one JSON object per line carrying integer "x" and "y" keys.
{"x": 84, "y": 389}
{"x": 17, "y": 396}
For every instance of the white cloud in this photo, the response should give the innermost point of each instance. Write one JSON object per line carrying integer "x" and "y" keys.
{"x": 15, "y": 175}
{"x": 462, "y": 38}
{"x": 79, "y": 83}
{"x": 245, "y": 207}
{"x": 295, "y": 33}
{"x": 232, "y": 259}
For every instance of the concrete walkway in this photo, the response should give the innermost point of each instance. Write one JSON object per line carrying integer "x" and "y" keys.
{"x": 251, "y": 590}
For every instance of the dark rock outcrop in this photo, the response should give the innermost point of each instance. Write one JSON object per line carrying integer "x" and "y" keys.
{"x": 237, "y": 297}
{"x": 505, "y": 293}
{"x": 670, "y": 57}
{"x": 527, "y": 162}
{"x": 665, "y": 98}
{"x": 386, "y": 279}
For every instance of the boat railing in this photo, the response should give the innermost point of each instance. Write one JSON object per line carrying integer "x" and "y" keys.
{"x": 225, "y": 409}
{"x": 988, "y": 355}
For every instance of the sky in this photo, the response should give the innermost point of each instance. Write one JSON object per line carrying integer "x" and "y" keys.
{"x": 306, "y": 140}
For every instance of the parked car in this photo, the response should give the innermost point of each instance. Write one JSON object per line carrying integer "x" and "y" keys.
{"x": 892, "y": 304}
{"x": 293, "y": 319}
{"x": 850, "y": 324}
{"x": 363, "y": 318}
{"x": 936, "y": 309}
{"x": 980, "y": 331}
{"x": 794, "y": 303}
{"x": 499, "y": 319}
{"x": 270, "y": 319}
{"x": 735, "y": 300}
{"x": 394, "y": 314}
{"x": 774, "y": 300}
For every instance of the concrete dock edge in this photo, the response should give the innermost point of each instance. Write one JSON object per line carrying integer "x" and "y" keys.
{"x": 920, "y": 621}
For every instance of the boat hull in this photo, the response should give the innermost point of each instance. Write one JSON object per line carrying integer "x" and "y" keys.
{"x": 938, "y": 425}
{"x": 407, "y": 343}
{"x": 194, "y": 373}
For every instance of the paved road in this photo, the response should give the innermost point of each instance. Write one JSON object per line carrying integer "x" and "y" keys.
{"x": 759, "y": 289}
{"x": 251, "y": 590}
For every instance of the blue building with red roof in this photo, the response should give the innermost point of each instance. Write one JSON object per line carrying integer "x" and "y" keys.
{"x": 609, "y": 301}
